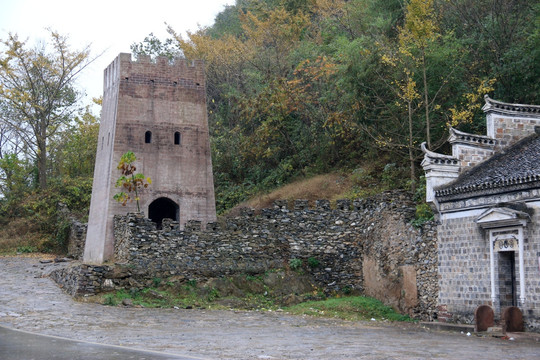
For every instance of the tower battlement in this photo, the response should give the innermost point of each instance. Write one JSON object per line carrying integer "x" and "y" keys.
{"x": 179, "y": 72}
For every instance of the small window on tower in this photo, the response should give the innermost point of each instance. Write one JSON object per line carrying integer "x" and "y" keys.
{"x": 177, "y": 138}
{"x": 148, "y": 137}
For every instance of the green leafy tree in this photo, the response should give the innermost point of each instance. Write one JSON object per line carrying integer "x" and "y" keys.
{"x": 502, "y": 37}
{"x": 37, "y": 85}
{"x": 419, "y": 31}
{"x": 72, "y": 152}
{"x": 130, "y": 181}
{"x": 15, "y": 175}
{"x": 153, "y": 46}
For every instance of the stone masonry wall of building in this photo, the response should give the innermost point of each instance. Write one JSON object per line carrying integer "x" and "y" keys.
{"x": 508, "y": 129}
{"x": 368, "y": 245}
{"x": 469, "y": 156}
{"x": 531, "y": 310}
{"x": 464, "y": 263}
{"x": 464, "y": 267}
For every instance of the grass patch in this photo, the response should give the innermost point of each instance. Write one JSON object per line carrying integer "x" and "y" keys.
{"x": 348, "y": 308}
{"x": 186, "y": 297}
{"x": 26, "y": 249}
{"x": 354, "y": 308}
{"x": 150, "y": 298}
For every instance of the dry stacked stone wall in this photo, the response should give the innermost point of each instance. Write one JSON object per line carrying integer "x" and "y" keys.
{"x": 76, "y": 237}
{"x": 367, "y": 246}
{"x": 75, "y": 232}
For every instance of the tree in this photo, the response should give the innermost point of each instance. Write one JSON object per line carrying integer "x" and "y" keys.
{"x": 14, "y": 176}
{"x": 72, "y": 152}
{"x": 153, "y": 46}
{"x": 247, "y": 71}
{"x": 129, "y": 180}
{"x": 502, "y": 36}
{"x": 419, "y": 30}
{"x": 37, "y": 85}
{"x": 15, "y": 169}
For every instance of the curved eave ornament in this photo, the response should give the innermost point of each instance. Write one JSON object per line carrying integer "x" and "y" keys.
{"x": 431, "y": 157}
{"x": 509, "y": 108}
{"x": 461, "y": 137}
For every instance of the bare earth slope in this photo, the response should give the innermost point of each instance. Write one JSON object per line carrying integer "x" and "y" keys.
{"x": 327, "y": 186}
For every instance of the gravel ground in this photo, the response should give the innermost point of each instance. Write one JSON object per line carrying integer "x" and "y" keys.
{"x": 32, "y": 302}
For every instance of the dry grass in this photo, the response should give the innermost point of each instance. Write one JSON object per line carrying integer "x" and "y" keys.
{"x": 18, "y": 233}
{"x": 328, "y": 186}
{"x": 40, "y": 255}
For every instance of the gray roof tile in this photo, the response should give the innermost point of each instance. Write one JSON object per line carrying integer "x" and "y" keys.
{"x": 520, "y": 163}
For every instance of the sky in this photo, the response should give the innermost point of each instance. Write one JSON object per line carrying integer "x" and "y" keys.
{"x": 108, "y": 26}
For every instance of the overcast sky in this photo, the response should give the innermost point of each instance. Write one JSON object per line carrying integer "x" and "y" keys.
{"x": 110, "y": 26}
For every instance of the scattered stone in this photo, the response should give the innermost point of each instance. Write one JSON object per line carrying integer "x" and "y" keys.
{"x": 119, "y": 272}
{"x": 155, "y": 294}
{"x": 107, "y": 284}
{"x": 291, "y": 299}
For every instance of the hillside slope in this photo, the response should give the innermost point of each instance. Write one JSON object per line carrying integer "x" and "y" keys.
{"x": 331, "y": 186}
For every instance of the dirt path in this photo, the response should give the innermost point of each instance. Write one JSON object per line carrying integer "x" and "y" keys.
{"x": 33, "y": 303}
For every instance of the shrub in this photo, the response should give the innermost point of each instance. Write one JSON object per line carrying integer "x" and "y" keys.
{"x": 423, "y": 211}
{"x": 110, "y": 300}
{"x": 313, "y": 262}
{"x": 26, "y": 249}
{"x": 295, "y": 264}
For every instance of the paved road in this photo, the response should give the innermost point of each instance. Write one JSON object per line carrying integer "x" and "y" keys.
{"x": 22, "y": 345}
{"x": 34, "y": 303}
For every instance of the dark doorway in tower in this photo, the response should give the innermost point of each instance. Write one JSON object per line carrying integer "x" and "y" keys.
{"x": 162, "y": 208}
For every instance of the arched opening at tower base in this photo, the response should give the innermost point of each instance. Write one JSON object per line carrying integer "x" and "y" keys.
{"x": 162, "y": 208}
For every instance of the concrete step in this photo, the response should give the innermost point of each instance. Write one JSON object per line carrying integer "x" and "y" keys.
{"x": 495, "y": 331}
{"x": 448, "y": 326}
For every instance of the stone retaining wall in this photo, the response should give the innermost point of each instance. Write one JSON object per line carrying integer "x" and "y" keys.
{"x": 368, "y": 246}
{"x": 76, "y": 238}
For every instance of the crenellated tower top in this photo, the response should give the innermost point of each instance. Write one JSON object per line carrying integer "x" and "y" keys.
{"x": 161, "y": 71}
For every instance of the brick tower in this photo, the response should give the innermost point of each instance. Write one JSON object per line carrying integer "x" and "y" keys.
{"x": 158, "y": 111}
